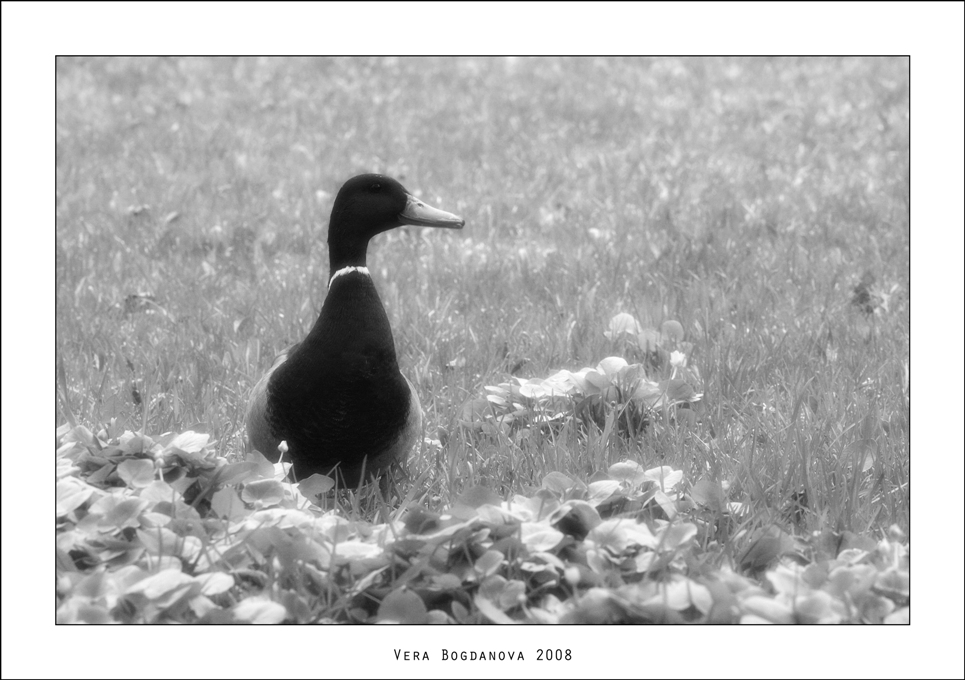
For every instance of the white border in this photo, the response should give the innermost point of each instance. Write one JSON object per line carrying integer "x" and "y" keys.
{"x": 34, "y": 32}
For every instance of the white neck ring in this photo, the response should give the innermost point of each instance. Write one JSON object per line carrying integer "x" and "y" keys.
{"x": 347, "y": 270}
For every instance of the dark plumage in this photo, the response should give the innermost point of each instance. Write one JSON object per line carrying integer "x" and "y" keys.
{"x": 337, "y": 398}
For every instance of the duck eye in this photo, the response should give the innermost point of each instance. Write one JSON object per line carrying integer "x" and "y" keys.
{"x": 376, "y": 187}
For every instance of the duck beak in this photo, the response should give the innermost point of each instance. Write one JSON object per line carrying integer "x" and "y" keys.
{"x": 419, "y": 214}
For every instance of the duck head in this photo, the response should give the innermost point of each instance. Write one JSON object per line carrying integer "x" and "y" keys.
{"x": 367, "y": 205}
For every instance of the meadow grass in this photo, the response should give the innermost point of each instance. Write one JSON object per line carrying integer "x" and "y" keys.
{"x": 744, "y": 198}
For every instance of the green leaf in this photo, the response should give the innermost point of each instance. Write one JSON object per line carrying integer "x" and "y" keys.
{"x": 71, "y": 494}
{"x": 160, "y": 492}
{"x": 767, "y": 609}
{"x": 576, "y": 518}
{"x": 622, "y": 324}
{"x": 677, "y": 535}
{"x": 767, "y": 547}
{"x": 665, "y": 477}
{"x": 190, "y": 442}
{"x": 402, "y": 606}
{"x": 540, "y": 537}
{"x": 489, "y": 563}
{"x": 708, "y": 494}
{"x": 316, "y": 485}
{"x": 125, "y": 513}
{"x": 226, "y": 503}
{"x": 672, "y": 331}
{"x": 681, "y": 594}
{"x": 263, "y": 492}
{"x": 258, "y": 610}
{"x": 602, "y": 490}
{"x": 627, "y": 471}
{"x": 558, "y": 482}
{"x": 491, "y": 611}
{"x": 137, "y": 474}
{"x": 237, "y": 473}
{"x": 215, "y": 583}
{"x": 165, "y": 588}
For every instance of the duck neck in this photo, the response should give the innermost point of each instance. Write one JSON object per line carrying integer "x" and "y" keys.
{"x": 346, "y": 253}
{"x": 345, "y": 256}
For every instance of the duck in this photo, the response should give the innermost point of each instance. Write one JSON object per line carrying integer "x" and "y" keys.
{"x": 338, "y": 399}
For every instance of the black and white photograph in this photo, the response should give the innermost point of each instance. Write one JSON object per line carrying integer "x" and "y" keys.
{"x": 375, "y": 337}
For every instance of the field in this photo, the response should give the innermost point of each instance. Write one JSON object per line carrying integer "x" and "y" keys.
{"x": 761, "y": 203}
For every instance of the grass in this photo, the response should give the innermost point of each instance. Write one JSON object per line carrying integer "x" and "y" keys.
{"x": 744, "y": 198}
